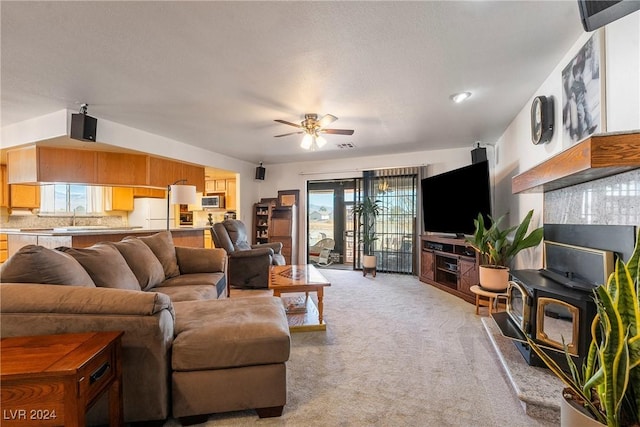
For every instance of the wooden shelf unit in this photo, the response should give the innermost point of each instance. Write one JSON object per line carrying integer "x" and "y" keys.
{"x": 449, "y": 264}
{"x": 596, "y": 157}
{"x": 261, "y": 221}
{"x": 283, "y": 228}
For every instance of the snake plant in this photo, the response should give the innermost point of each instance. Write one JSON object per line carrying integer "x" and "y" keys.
{"x": 609, "y": 383}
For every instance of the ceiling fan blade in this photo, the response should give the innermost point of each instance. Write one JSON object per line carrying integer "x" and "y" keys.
{"x": 287, "y": 134}
{"x": 338, "y": 131}
{"x": 287, "y": 123}
{"x": 326, "y": 120}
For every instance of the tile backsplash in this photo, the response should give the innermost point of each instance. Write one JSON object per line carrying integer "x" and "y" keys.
{"x": 25, "y": 219}
{"x": 614, "y": 200}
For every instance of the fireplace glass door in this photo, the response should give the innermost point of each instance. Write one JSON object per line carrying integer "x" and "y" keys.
{"x": 518, "y": 305}
{"x": 557, "y": 321}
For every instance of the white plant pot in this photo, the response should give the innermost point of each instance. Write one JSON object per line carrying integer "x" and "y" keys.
{"x": 495, "y": 279}
{"x": 572, "y": 416}
{"x": 369, "y": 261}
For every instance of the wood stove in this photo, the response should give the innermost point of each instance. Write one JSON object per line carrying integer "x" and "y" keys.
{"x": 555, "y": 305}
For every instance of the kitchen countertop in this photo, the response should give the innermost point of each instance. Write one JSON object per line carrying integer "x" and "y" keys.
{"x": 89, "y": 230}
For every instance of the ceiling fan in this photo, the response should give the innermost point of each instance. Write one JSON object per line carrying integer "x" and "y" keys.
{"x": 312, "y": 127}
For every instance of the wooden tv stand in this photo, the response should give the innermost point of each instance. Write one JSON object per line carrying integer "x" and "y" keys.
{"x": 449, "y": 264}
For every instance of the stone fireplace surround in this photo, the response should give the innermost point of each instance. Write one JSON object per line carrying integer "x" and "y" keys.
{"x": 614, "y": 200}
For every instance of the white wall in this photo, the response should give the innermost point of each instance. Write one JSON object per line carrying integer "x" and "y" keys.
{"x": 514, "y": 151}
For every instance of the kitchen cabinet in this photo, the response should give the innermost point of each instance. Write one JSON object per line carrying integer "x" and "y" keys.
{"x": 3, "y": 248}
{"x": 154, "y": 193}
{"x": 163, "y": 172}
{"x": 4, "y": 187}
{"x": 24, "y": 196}
{"x": 217, "y": 186}
{"x": 194, "y": 176}
{"x": 118, "y": 199}
{"x": 66, "y": 165}
{"x": 230, "y": 197}
{"x": 208, "y": 241}
{"x": 121, "y": 168}
{"x": 38, "y": 164}
{"x": 49, "y": 164}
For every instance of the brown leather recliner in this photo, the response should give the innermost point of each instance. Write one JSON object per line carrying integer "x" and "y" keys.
{"x": 248, "y": 264}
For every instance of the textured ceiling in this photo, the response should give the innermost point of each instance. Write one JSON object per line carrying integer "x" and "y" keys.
{"x": 217, "y": 74}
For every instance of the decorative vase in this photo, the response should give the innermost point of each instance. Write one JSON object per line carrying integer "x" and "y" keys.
{"x": 571, "y": 415}
{"x": 494, "y": 278}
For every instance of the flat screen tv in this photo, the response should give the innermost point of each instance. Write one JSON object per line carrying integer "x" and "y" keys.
{"x": 452, "y": 200}
{"x": 595, "y": 13}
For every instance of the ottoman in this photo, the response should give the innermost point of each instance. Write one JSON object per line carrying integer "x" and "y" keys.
{"x": 230, "y": 355}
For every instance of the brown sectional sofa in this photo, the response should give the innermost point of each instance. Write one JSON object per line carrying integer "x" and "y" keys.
{"x": 187, "y": 349}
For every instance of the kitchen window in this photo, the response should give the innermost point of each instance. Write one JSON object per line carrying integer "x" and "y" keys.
{"x": 71, "y": 198}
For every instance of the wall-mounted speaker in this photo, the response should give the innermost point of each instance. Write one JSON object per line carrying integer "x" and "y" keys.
{"x": 260, "y": 171}
{"x": 478, "y": 155}
{"x": 83, "y": 127}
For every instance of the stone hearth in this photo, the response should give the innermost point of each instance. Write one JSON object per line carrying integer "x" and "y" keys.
{"x": 538, "y": 389}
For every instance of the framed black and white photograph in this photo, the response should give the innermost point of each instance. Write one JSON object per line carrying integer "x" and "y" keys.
{"x": 583, "y": 101}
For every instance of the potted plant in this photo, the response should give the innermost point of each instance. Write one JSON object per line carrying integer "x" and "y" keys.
{"x": 497, "y": 248}
{"x": 607, "y": 388}
{"x": 367, "y": 211}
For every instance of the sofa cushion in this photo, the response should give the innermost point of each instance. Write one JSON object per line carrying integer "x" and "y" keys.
{"x": 161, "y": 244}
{"x": 37, "y": 264}
{"x": 142, "y": 261}
{"x": 216, "y": 282}
{"x": 188, "y": 292}
{"x": 246, "y": 331}
{"x": 105, "y": 265}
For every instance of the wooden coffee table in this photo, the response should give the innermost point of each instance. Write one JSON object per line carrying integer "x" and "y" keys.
{"x": 302, "y": 313}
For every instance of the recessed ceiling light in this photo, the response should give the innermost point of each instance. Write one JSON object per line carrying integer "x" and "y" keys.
{"x": 459, "y": 97}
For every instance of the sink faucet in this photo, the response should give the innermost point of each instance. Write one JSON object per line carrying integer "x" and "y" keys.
{"x": 73, "y": 221}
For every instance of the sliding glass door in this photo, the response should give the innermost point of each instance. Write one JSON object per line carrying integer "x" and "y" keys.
{"x": 329, "y": 216}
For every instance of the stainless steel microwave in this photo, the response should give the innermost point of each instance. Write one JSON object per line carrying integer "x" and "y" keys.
{"x": 212, "y": 202}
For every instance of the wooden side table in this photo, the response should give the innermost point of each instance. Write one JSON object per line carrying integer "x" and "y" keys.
{"x": 51, "y": 380}
{"x": 491, "y": 298}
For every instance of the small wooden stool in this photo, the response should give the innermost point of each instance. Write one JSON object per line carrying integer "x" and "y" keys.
{"x": 492, "y": 298}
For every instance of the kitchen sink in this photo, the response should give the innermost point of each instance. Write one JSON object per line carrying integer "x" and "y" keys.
{"x": 81, "y": 228}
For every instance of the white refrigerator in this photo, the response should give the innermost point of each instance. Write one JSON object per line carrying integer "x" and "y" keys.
{"x": 151, "y": 214}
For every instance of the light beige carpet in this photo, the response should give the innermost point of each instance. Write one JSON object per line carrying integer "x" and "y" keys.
{"x": 397, "y": 352}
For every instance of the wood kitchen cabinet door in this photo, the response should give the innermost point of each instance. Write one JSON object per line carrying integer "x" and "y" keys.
{"x": 163, "y": 172}
{"x": 194, "y": 176}
{"x": 156, "y": 193}
{"x": 122, "y": 168}
{"x": 230, "y": 197}
{"x": 4, "y": 187}
{"x": 24, "y": 196}
{"x": 66, "y": 165}
{"x": 118, "y": 199}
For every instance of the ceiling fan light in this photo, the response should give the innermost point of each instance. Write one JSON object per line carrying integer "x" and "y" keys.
{"x": 459, "y": 97}
{"x": 320, "y": 141}
{"x": 307, "y": 140}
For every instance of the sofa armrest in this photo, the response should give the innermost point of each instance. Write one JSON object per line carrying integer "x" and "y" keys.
{"x": 252, "y": 253}
{"x": 146, "y": 318}
{"x": 201, "y": 260}
{"x": 275, "y": 246}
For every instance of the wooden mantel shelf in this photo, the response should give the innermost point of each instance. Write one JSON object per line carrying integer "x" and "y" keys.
{"x": 596, "y": 157}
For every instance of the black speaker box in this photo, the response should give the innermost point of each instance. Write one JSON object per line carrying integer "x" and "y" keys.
{"x": 83, "y": 127}
{"x": 478, "y": 155}
{"x": 260, "y": 171}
